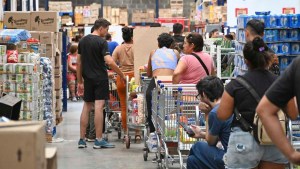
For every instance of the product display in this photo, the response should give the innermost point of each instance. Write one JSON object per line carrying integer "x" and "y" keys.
{"x": 13, "y": 35}
{"x": 282, "y": 35}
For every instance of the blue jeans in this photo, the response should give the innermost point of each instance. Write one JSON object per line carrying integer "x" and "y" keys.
{"x": 244, "y": 153}
{"x": 204, "y": 156}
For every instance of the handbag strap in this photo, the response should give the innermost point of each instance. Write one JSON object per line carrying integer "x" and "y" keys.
{"x": 202, "y": 63}
{"x": 237, "y": 114}
{"x": 249, "y": 88}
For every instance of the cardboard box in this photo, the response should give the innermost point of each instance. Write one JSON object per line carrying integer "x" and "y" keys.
{"x": 17, "y": 20}
{"x": 46, "y": 50}
{"x": 51, "y": 157}
{"x": 22, "y": 46}
{"x": 58, "y": 105}
{"x": 45, "y": 21}
{"x": 66, "y": 19}
{"x": 59, "y": 36}
{"x": 86, "y": 20}
{"x": 46, "y": 37}
{"x": 93, "y": 19}
{"x": 58, "y": 58}
{"x": 58, "y": 82}
{"x": 57, "y": 70}
{"x": 58, "y": 93}
{"x": 22, "y": 145}
{"x": 35, "y": 34}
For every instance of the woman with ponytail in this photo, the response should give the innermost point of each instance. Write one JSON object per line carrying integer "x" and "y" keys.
{"x": 243, "y": 150}
{"x": 123, "y": 55}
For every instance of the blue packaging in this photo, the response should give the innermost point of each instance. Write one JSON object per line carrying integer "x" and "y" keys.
{"x": 242, "y": 21}
{"x": 284, "y": 48}
{"x": 295, "y": 48}
{"x": 268, "y": 35}
{"x": 283, "y": 35}
{"x": 270, "y": 21}
{"x": 274, "y": 47}
{"x": 283, "y": 21}
{"x": 283, "y": 63}
{"x": 294, "y": 21}
{"x": 294, "y": 34}
{"x": 275, "y": 36}
{"x": 261, "y": 18}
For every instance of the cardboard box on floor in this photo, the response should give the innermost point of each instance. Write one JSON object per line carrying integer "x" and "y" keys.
{"x": 17, "y": 20}
{"x": 45, "y": 21}
{"x": 22, "y": 145}
{"x": 51, "y": 156}
{"x": 141, "y": 49}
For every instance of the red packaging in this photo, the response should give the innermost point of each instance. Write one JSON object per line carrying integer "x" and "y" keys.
{"x": 12, "y": 56}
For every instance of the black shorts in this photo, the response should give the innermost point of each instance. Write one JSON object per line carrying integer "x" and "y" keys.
{"x": 95, "y": 90}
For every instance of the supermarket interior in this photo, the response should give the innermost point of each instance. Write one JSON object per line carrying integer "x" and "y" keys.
{"x": 146, "y": 84}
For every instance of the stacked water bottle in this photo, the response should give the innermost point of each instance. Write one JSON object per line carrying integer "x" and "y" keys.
{"x": 282, "y": 34}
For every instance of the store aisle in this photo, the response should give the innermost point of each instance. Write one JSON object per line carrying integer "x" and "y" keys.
{"x": 70, "y": 157}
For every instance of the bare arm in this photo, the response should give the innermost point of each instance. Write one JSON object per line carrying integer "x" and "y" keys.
{"x": 79, "y": 70}
{"x": 111, "y": 63}
{"x": 115, "y": 54}
{"x": 226, "y": 107}
{"x": 291, "y": 109}
{"x": 211, "y": 140}
{"x": 149, "y": 70}
{"x": 180, "y": 69}
{"x": 267, "y": 111}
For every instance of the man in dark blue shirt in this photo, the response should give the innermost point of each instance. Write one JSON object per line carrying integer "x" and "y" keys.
{"x": 111, "y": 44}
{"x": 207, "y": 154}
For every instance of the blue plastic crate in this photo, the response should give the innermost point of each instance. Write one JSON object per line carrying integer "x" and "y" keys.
{"x": 295, "y": 48}
{"x": 294, "y": 21}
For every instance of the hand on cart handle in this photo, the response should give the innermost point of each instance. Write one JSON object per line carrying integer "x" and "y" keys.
{"x": 80, "y": 89}
{"x": 294, "y": 157}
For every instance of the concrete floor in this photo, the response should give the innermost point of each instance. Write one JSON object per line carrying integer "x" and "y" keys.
{"x": 70, "y": 157}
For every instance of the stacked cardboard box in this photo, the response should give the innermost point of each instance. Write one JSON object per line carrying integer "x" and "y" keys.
{"x": 143, "y": 16}
{"x": 87, "y": 14}
{"x": 176, "y": 8}
{"x": 61, "y": 6}
{"x": 123, "y": 16}
{"x": 165, "y": 13}
{"x": 107, "y": 12}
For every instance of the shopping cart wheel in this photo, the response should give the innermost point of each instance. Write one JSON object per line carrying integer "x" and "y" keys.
{"x": 127, "y": 141}
{"x": 145, "y": 155}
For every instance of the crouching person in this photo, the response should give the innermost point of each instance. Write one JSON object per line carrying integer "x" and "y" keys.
{"x": 206, "y": 154}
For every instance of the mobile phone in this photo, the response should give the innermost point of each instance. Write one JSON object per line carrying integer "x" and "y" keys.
{"x": 188, "y": 130}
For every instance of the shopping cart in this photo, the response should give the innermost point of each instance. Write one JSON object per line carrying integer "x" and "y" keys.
{"x": 113, "y": 109}
{"x": 174, "y": 104}
{"x": 135, "y": 115}
{"x": 294, "y": 136}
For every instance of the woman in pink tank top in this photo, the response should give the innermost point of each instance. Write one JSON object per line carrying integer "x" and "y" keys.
{"x": 189, "y": 69}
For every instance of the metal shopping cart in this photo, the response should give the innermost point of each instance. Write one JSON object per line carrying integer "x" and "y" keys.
{"x": 113, "y": 109}
{"x": 294, "y": 136}
{"x": 175, "y": 103}
{"x": 135, "y": 115}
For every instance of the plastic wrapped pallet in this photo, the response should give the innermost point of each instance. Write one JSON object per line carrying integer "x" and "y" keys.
{"x": 47, "y": 93}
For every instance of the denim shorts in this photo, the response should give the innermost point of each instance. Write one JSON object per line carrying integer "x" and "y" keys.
{"x": 244, "y": 152}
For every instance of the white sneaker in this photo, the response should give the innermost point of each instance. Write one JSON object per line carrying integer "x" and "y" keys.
{"x": 74, "y": 99}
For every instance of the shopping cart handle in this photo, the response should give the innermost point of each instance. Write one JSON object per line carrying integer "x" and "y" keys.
{"x": 142, "y": 77}
{"x": 180, "y": 89}
{"x": 161, "y": 85}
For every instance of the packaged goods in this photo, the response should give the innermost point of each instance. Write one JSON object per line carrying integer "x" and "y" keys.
{"x": 284, "y": 48}
{"x": 3, "y": 50}
{"x": 294, "y": 34}
{"x": 24, "y": 88}
{"x": 274, "y": 47}
{"x": 24, "y": 68}
{"x": 45, "y": 21}
{"x": 12, "y": 56}
{"x": 23, "y": 57}
{"x": 283, "y": 21}
{"x": 295, "y": 48}
{"x": 13, "y": 35}
{"x": 9, "y": 87}
{"x": 9, "y": 68}
{"x": 283, "y": 35}
{"x": 271, "y": 21}
{"x": 2, "y": 69}
{"x": 152, "y": 142}
{"x": 294, "y": 21}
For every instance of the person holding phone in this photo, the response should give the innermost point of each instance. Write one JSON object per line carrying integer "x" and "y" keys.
{"x": 206, "y": 154}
